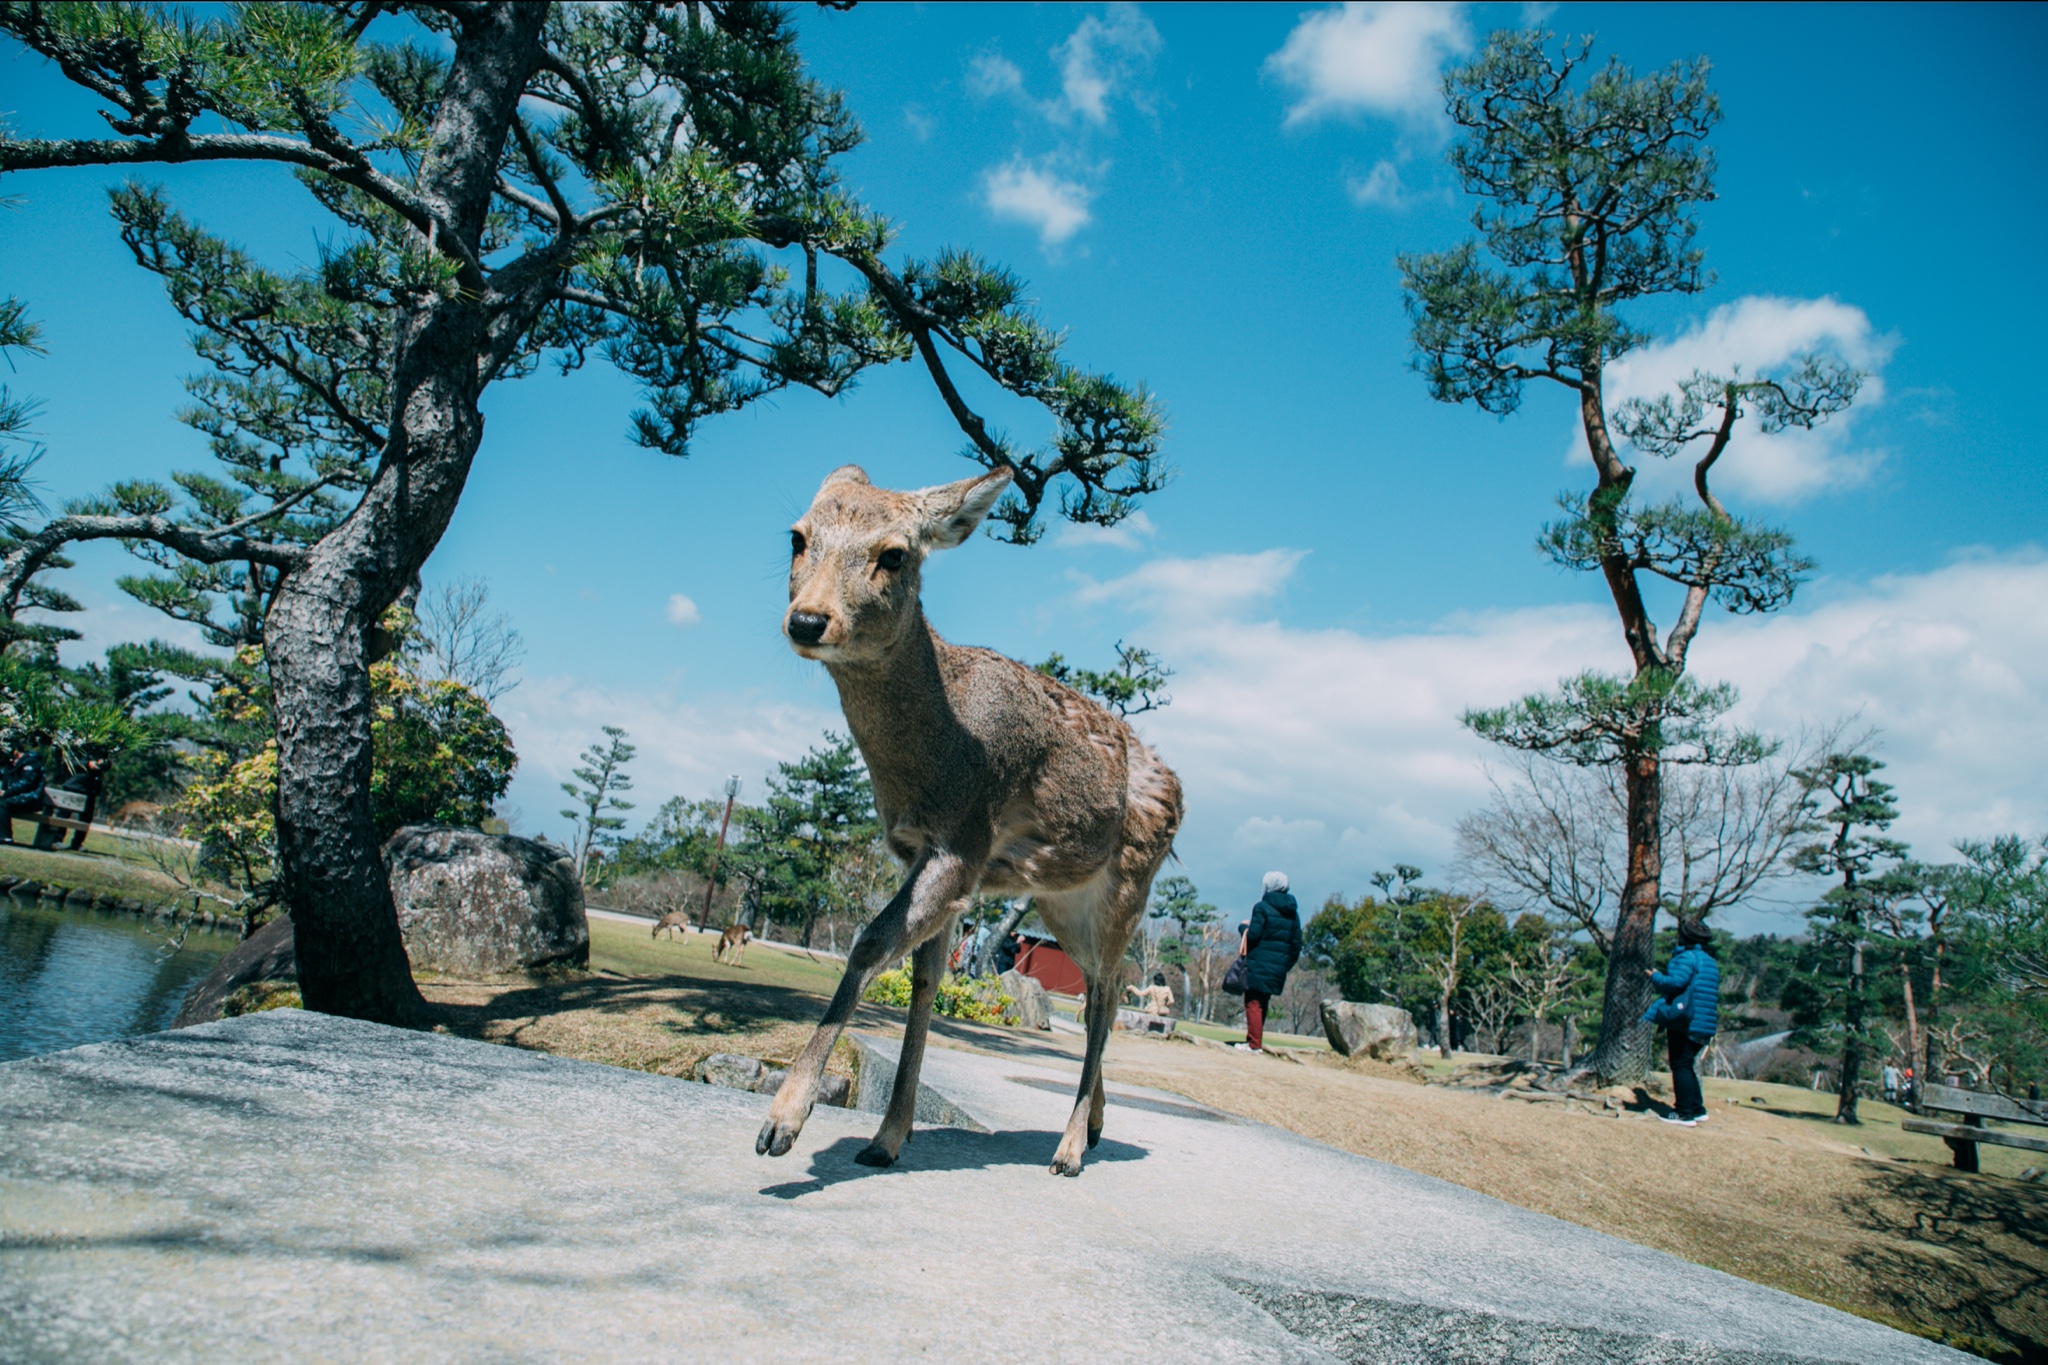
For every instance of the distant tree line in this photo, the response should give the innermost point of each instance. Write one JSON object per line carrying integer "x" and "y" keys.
{"x": 1940, "y": 968}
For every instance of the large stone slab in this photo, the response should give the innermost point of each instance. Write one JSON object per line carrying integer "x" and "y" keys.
{"x": 294, "y": 1187}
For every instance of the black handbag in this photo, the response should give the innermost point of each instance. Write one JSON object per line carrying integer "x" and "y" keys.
{"x": 1237, "y": 979}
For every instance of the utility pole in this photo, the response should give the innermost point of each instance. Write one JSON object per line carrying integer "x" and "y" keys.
{"x": 732, "y": 791}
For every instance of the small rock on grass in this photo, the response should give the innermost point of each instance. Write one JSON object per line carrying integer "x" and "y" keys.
{"x": 735, "y": 1072}
{"x": 730, "y": 1070}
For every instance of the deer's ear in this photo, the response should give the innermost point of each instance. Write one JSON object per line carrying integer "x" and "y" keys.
{"x": 953, "y": 510}
{"x": 846, "y": 473}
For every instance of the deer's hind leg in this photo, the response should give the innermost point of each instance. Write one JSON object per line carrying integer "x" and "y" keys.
{"x": 926, "y": 967}
{"x": 1084, "y": 1125}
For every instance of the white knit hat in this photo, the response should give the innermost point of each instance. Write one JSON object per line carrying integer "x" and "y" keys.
{"x": 1276, "y": 881}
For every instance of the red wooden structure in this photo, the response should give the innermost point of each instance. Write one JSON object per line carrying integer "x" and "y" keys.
{"x": 1043, "y": 961}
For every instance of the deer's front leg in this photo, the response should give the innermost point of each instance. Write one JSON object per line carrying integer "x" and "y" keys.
{"x": 919, "y": 909}
{"x": 1084, "y": 1125}
{"x": 926, "y": 968}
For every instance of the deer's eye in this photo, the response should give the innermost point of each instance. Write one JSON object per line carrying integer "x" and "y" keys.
{"x": 891, "y": 560}
{"x": 796, "y": 543}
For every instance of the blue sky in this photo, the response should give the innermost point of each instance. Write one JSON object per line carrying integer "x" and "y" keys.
{"x": 1210, "y": 199}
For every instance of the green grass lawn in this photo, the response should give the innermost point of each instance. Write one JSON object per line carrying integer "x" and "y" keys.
{"x": 628, "y": 950}
{"x": 108, "y": 864}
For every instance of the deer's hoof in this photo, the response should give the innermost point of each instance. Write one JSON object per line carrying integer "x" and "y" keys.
{"x": 1094, "y": 1136}
{"x": 875, "y": 1154}
{"x": 1066, "y": 1165}
{"x": 775, "y": 1139}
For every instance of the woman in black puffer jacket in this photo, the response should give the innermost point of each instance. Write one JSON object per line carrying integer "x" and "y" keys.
{"x": 1272, "y": 944}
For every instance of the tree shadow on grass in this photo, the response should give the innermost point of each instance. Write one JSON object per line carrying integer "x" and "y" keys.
{"x": 698, "y": 1007}
{"x": 1966, "y": 1255}
{"x": 946, "y": 1149}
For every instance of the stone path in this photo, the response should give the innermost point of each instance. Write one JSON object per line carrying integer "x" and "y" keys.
{"x": 292, "y": 1186}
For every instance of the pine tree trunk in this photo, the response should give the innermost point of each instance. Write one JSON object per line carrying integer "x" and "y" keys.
{"x": 1622, "y": 1054}
{"x": 1913, "y": 1048}
{"x": 351, "y": 958}
{"x": 1852, "y": 1026}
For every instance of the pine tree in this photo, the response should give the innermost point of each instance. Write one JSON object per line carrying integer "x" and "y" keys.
{"x": 603, "y": 777}
{"x": 509, "y": 182}
{"x": 1589, "y": 184}
{"x": 1857, "y": 855}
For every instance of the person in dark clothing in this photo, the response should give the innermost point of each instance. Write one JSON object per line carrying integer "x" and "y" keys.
{"x": 1006, "y": 954}
{"x": 1689, "y": 1014}
{"x": 89, "y": 781}
{"x": 21, "y": 788}
{"x": 1271, "y": 946}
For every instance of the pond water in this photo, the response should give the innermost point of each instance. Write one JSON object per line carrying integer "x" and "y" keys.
{"x": 73, "y": 976}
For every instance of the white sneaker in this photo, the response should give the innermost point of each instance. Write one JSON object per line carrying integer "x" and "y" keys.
{"x": 1676, "y": 1121}
{"x": 1244, "y": 1047}
{"x": 1703, "y": 1117}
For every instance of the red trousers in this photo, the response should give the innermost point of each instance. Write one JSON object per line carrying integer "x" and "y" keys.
{"x": 1255, "y": 1017}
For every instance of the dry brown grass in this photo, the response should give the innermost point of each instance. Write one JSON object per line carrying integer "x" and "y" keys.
{"x": 1767, "y": 1193}
{"x": 677, "y": 1008}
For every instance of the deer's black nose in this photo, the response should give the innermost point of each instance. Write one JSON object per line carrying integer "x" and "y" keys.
{"x": 807, "y": 628}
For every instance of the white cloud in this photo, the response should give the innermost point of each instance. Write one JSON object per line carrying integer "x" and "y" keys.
{"x": 992, "y": 74}
{"x": 1761, "y": 334}
{"x": 919, "y": 122}
{"x": 1343, "y": 751}
{"x": 1035, "y": 194}
{"x": 682, "y": 611}
{"x": 686, "y": 746}
{"x": 1102, "y": 56}
{"x": 1330, "y": 754}
{"x": 1381, "y": 188}
{"x": 1370, "y": 58}
{"x": 1213, "y": 588}
{"x": 1127, "y": 534}
{"x": 1105, "y": 58}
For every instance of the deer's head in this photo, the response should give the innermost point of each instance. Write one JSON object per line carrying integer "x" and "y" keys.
{"x": 856, "y": 559}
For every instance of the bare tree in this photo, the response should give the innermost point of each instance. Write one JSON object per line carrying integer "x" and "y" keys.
{"x": 460, "y": 638}
{"x": 1493, "y": 1007}
{"x": 1302, "y": 1000}
{"x": 1553, "y": 840}
{"x": 1555, "y": 837}
{"x": 1537, "y": 982}
{"x": 1443, "y": 960}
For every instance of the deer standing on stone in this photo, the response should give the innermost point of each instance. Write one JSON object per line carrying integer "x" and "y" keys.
{"x": 988, "y": 777}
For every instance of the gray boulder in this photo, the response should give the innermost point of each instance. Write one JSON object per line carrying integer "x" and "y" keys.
{"x": 1034, "y": 1008}
{"x": 266, "y": 955}
{"x": 474, "y": 904}
{"x": 1383, "y": 1032}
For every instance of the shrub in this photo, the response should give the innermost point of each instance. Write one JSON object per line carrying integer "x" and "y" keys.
{"x": 958, "y": 998}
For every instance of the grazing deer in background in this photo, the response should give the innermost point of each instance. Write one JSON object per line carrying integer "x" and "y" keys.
{"x": 988, "y": 776}
{"x": 732, "y": 944}
{"x": 675, "y": 920}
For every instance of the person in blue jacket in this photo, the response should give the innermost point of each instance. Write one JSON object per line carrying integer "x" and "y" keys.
{"x": 1689, "y": 1014}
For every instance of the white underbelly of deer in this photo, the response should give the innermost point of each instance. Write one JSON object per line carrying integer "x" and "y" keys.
{"x": 1086, "y": 812}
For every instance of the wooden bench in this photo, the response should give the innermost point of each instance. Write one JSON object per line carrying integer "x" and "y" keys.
{"x": 61, "y": 811}
{"x": 1976, "y": 1106}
